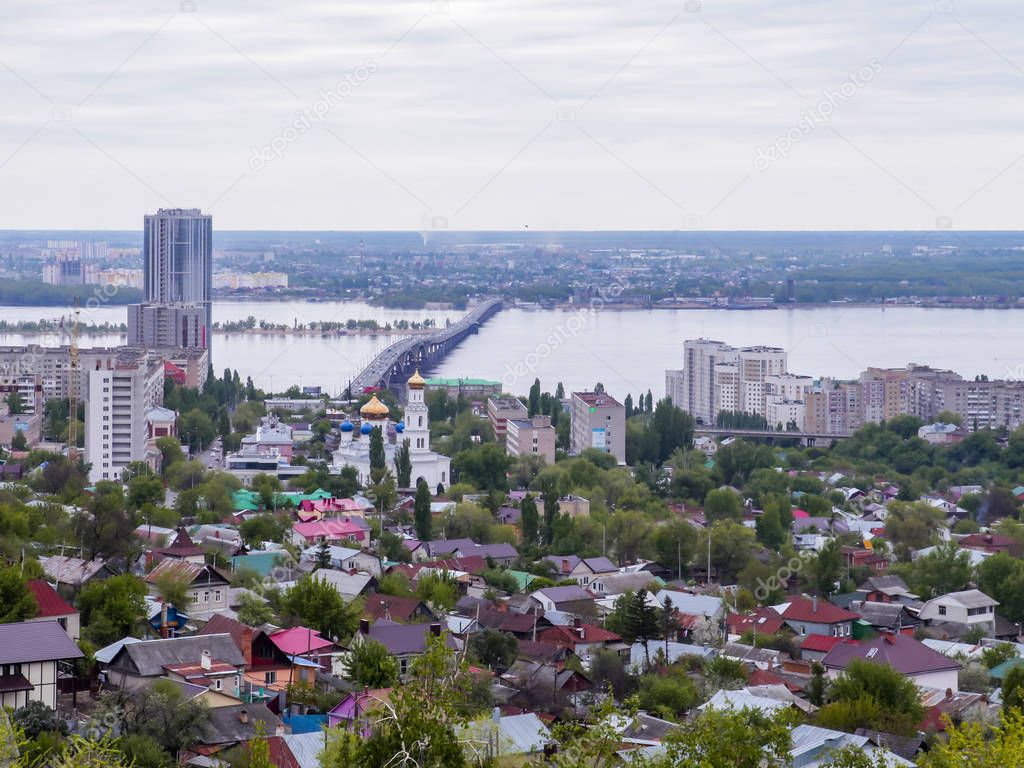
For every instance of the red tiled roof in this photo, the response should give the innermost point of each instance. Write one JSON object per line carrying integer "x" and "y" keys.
{"x": 820, "y": 643}
{"x": 766, "y": 621}
{"x": 394, "y": 607}
{"x": 50, "y": 603}
{"x": 803, "y": 609}
{"x": 571, "y": 635}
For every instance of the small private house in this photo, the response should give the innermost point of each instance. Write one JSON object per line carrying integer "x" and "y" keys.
{"x": 53, "y": 607}
{"x": 813, "y": 616}
{"x": 971, "y": 608}
{"x": 911, "y": 658}
{"x": 207, "y": 585}
{"x": 30, "y": 653}
{"x": 583, "y": 569}
{"x": 569, "y": 599}
{"x": 210, "y": 660}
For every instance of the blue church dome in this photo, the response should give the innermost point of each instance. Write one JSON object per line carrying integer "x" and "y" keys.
{"x": 366, "y": 428}
{"x": 400, "y": 427}
{"x": 347, "y": 426}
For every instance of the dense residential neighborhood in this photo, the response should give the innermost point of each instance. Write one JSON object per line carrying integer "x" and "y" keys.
{"x": 405, "y": 577}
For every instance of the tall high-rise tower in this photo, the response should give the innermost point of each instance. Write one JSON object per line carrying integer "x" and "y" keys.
{"x": 177, "y": 258}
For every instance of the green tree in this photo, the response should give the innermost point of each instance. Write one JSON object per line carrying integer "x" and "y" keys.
{"x": 529, "y": 521}
{"x": 723, "y": 504}
{"x": 370, "y": 665}
{"x": 323, "y": 554}
{"x": 977, "y": 745}
{"x": 875, "y": 696}
{"x": 946, "y": 569}
{"x": 16, "y": 601}
{"x": 317, "y": 604}
{"x": 727, "y": 739}
{"x": 14, "y": 405}
{"x": 19, "y": 442}
{"x": 549, "y": 489}
{"x": 1002, "y": 578}
{"x": 378, "y": 462}
{"x": 438, "y": 590}
{"x": 35, "y": 717}
{"x": 494, "y": 649}
{"x": 420, "y": 725}
{"x": 259, "y": 528}
{"x": 533, "y": 404}
{"x": 145, "y": 489}
{"x": 1013, "y": 689}
{"x": 254, "y": 611}
{"x": 403, "y": 464}
{"x": 484, "y": 466}
{"x": 422, "y": 516}
{"x": 112, "y": 608}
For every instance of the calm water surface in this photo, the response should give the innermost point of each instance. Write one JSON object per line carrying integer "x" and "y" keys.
{"x": 628, "y": 351}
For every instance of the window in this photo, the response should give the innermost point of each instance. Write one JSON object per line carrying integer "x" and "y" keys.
{"x": 270, "y": 678}
{"x": 218, "y": 684}
{"x": 216, "y": 595}
{"x": 942, "y": 610}
{"x": 206, "y": 596}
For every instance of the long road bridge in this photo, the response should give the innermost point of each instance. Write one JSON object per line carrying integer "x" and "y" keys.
{"x": 396, "y": 363}
{"x": 770, "y": 435}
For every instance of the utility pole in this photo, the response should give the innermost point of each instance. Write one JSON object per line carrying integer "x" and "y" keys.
{"x": 709, "y": 558}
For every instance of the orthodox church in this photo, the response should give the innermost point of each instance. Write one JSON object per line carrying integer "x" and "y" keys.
{"x": 354, "y": 450}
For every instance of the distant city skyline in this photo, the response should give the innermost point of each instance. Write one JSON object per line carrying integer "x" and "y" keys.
{"x": 464, "y": 115}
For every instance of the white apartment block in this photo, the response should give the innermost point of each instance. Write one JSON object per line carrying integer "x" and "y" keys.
{"x": 598, "y": 421}
{"x": 717, "y": 377}
{"x": 674, "y": 386}
{"x": 531, "y": 436}
{"x": 115, "y": 420}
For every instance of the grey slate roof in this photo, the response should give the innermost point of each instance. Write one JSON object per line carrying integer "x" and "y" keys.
{"x": 225, "y": 725}
{"x": 150, "y": 656}
{"x": 28, "y": 641}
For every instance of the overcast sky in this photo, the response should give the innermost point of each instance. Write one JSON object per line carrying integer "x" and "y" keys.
{"x": 500, "y": 114}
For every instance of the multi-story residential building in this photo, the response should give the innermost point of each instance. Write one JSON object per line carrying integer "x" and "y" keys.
{"x": 178, "y": 264}
{"x": 533, "y": 436}
{"x": 717, "y": 377}
{"x": 674, "y": 386}
{"x": 833, "y": 408}
{"x": 167, "y": 325}
{"x": 780, "y": 413}
{"x": 598, "y": 421}
{"x": 501, "y": 409}
{"x": 116, "y": 432}
{"x": 65, "y": 269}
{"x": 129, "y": 278}
{"x": 756, "y": 365}
{"x": 700, "y": 356}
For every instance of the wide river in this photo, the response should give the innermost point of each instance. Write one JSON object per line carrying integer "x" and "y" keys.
{"x": 628, "y": 351}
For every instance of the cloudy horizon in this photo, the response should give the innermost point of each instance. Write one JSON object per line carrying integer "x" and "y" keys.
{"x": 466, "y": 115}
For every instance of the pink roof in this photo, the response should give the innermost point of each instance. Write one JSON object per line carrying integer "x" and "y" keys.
{"x": 799, "y": 514}
{"x": 299, "y": 640}
{"x": 328, "y": 505}
{"x": 331, "y": 529}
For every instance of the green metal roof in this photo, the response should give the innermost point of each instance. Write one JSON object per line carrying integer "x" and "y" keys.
{"x": 442, "y": 382}
{"x": 260, "y": 562}
{"x": 523, "y": 579}
{"x": 246, "y": 500}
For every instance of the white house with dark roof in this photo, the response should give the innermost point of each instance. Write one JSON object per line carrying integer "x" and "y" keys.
{"x": 972, "y": 607}
{"x": 583, "y": 569}
{"x": 30, "y": 652}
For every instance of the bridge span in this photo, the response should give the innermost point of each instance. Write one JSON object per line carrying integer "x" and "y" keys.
{"x": 770, "y": 435}
{"x": 396, "y": 363}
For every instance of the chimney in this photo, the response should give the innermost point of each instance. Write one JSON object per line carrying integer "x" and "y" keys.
{"x": 814, "y": 604}
{"x": 496, "y": 714}
{"x": 164, "y": 633}
{"x": 279, "y": 730}
{"x": 364, "y": 626}
{"x": 565, "y": 565}
{"x": 949, "y": 693}
{"x": 576, "y": 621}
{"x": 206, "y": 660}
{"x": 247, "y": 646}
{"x": 243, "y": 716}
{"x": 435, "y": 629}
